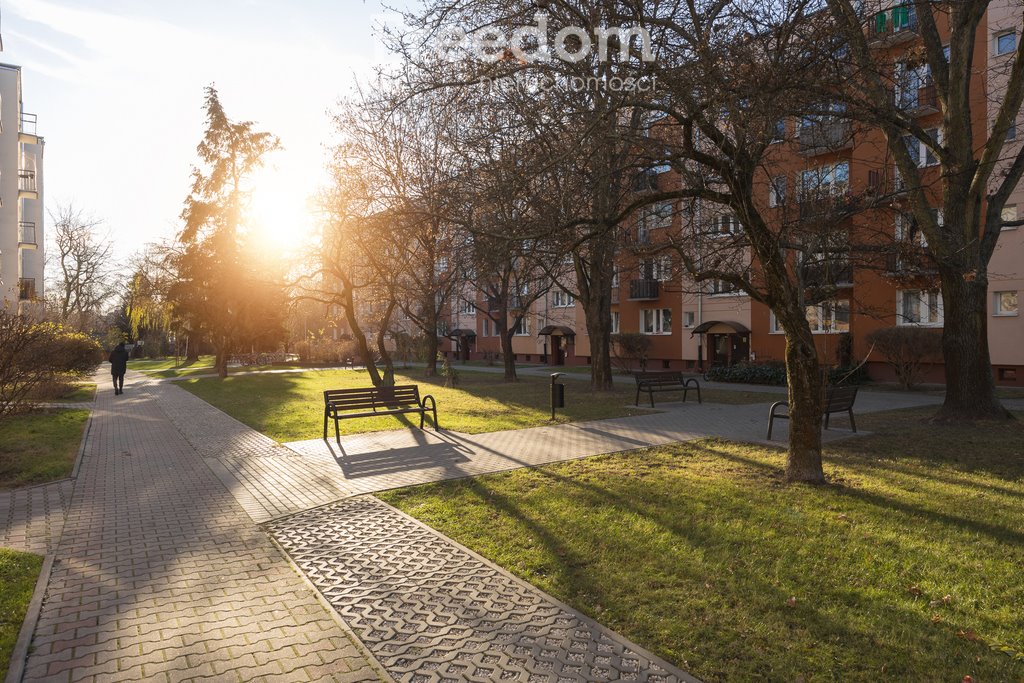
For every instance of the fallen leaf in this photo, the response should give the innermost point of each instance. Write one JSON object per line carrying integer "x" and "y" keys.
{"x": 967, "y": 679}
{"x": 968, "y": 634}
{"x": 792, "y": 601}
{"x": 915, "y": 590}
{"x": 936, "y": 618}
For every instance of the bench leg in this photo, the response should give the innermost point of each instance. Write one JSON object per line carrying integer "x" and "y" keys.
{"x": 699, "y": 399}
{"x": 325, "y": 424}
{"x": 337, "y": 431}
{"x": 637, "y": 397}
{"x": 650, "y": 392}
{"x": 826, "y": 419}
{"x": 771, "y": 422}
{"x": 853, "y": 425}
{"x": 436, "y": 426}
{"x": 423, "y": 414}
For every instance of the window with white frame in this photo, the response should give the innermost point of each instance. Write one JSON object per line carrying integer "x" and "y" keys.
{"x": 656, "y": 321}
{"x": 659, "y": 268}
{"x": 726, "y": 224}
{"x": 522, "y": 328}
{"x": 467, "y": 307}
{"x": 1009, "y": 214}
{"x": 657, "y": 215}
{"x": 442, "y": 328}
{"x": 1005, "y": 43}
{"x": 825, "y": 114}
{"x": 919, "y": 307}
{"x": 562, "y": 299}
{"x": 779, "y": 131}
{"x": 777, "y": 191}
{"x": 689, "y": 317}
{"x": 920, "y": 153}
{"x": 828, "y": 180}
{"x": 774, "y": 327}
{"x": 909, "y": 81}
{"x": 909, "y": 232}
{"x": 486, "y": 329}
{"x": 721, "y": 287}
{"x": 615, "y": 279}
{"x": 615, "y": 322}
{"x": 1004, "y": 303}
{"x": 829, "y": 316}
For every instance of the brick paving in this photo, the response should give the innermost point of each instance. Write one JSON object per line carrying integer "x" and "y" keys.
{"x": 32, "y": 518}
{"x": 160, "y": 575}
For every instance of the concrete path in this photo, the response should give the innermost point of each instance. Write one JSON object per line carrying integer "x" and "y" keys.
{"x": 32, "y": 518}
{"x": 160, "y": 575}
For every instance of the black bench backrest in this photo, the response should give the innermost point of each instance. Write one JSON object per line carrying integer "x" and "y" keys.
{"x": 840, "y": 398}
{"x": 666, "y": 377}
{"x": 373, "y": 397}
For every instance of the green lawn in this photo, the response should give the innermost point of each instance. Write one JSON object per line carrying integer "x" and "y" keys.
{"x": 166, "y": 367}
{"x": 289, "y": 407}
{"x": 79, "y": 393}
{"x": 18, "y": 574}
{"x": 908, "y": 567}
{"x": 39, "y": 447}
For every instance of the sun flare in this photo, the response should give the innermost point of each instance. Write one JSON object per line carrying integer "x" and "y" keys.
{"x": 279, "y": 212}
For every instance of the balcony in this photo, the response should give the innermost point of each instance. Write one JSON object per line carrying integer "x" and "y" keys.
{"x": 615, "y": 295}
{"x": 893, "y": 27}
{"x": 644, "y": 289}
{"x": 835, "y": 273}
{"x": 645, "y": 181}
{"x": 28, "y": 124}
{"x": 26, "y": 289}
{"x": 824, "y": 207}
{"x": 27, "y": 184}
{"x": 921, "y": 102}
{"x": 494, "y": 304}
{"x": 910, "y": 262}
{"x": 27, "y": 235}
{"x": 823, "y": 137}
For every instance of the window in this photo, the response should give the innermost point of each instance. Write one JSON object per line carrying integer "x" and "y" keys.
{"x": 1006, "y": 42}
{"x": 908, "y": 231}
{"x": 773, "y": 324}
{"x": 777, "y": 191}
{"x": 1004, "y": 303}
{"x": 1009, "y": 214}
{"x": 726, "y": 224}
{"x": 442, "y": 328}
{"x": 920, "y": 153}
{"x": 688, "y": 318}
{"x": 657, "y": 215}
{"x": 441, "y": 265}
{"x": 903, "y": 17}
{"x": 909, "y": 81}
{"x": 826, "y": 113}
{"x": 467, "y": 307}
{"x": 829, "y": 316}
{"x": 486, "y": 332}
{"x": 615, "y": 279}
{"x": 1011, "y": 132}
{"x": 615, "y": 322}
{"x": 779, "y": 132}
{"x": 721, "y": 287}
{"x": 656, "y": 321}
{"x": 919, "y": 307}
{"x": 832, "y": 179}
{"x": 562, "y": 299}
{"x": 522, "y": 328}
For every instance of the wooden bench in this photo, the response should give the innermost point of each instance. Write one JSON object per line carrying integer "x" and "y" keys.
{"x": 837, "y": 400}
{"x": 342, "y": 404}
{"x": 652, "y": 382}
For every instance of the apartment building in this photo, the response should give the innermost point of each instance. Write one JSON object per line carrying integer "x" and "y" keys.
{"x": 694, "y": 325}
{"x": 21, "y": 197}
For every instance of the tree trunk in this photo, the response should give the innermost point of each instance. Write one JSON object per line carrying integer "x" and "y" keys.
{"x": 191, "y": 350}
{"x": 507, "y": 356}
{"x": 220, "y": 362}
{"x": 432, "y": 344}
{"x": 389, "y": 365}
{"x": 970, "y": 387}
{"x": 803, "y": 375}
{"x": 599, "y": 331}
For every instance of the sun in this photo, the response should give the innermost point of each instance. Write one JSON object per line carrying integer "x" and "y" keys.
{"x": 279, "y": 213}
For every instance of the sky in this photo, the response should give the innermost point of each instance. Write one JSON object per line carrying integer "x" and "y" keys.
{"x": 118, "y": 89}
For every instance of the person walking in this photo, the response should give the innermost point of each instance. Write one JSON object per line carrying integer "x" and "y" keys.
{"x": 119, "y": 366}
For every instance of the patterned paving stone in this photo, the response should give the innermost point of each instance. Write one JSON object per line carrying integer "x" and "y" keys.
{"x": 32, "y": 518}
{"x": 431, "y": 610}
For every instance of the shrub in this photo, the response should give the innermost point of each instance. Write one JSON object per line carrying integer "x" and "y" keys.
{"x": 772, "y": 372}
{"x": 34, "y": 354}
{"x": 326, "y": 351}
{"x": 631, "y": 350}
{"x": 906, "y": 350}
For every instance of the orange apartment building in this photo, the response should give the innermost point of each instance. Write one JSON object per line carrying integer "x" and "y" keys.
{"x": 693, "y": 326}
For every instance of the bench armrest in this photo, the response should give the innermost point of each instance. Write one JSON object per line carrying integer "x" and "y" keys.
{"x": 692, "y": 381}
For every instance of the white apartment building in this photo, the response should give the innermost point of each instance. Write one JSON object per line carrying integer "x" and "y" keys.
{"x": 21, "y": 197}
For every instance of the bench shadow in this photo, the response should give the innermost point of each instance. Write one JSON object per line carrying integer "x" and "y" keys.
{"x": 447, "y": 455}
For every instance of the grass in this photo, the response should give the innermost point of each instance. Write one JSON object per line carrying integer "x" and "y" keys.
{"x": 289, "y": 407}
{"x": 18, "y": 575}
{"x": 39, "y": 447}
{"x": 79, "y": 393}
{"x": 166, "y": 367}
{"x": 907, "y": 567}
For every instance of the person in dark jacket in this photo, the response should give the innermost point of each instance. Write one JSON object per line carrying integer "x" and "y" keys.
{"x": 118, "y": 366}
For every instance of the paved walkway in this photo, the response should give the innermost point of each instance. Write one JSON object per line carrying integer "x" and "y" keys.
{"x": 160, "y": 575}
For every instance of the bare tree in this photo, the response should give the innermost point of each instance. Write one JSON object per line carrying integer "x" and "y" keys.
{"x": 967, "y": 168}
{"x": 82, "y": 259}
